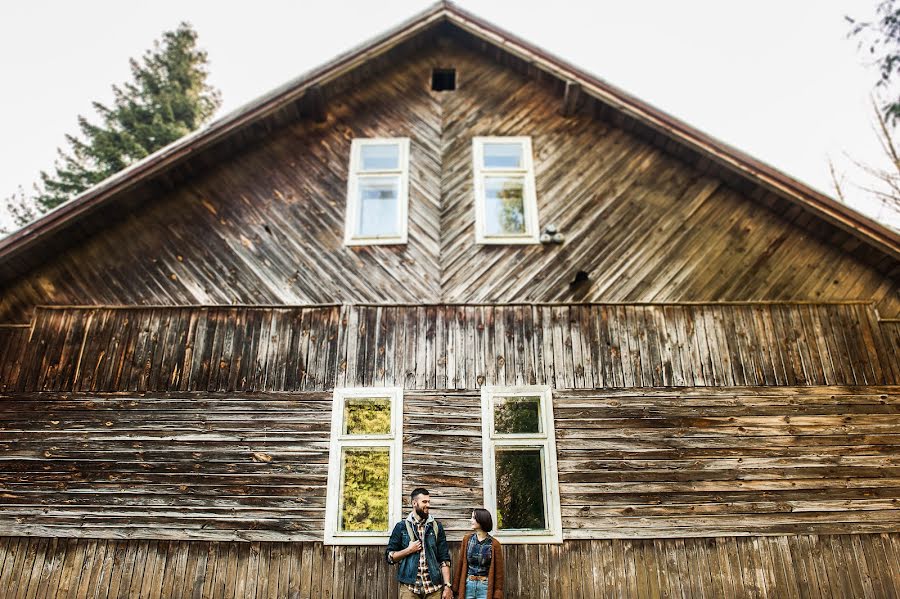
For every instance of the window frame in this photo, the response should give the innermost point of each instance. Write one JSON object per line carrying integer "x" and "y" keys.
{"x": 546, "y": 439}
{"x": 529, "y": 193}
{"x": 339, "y": 441}
{"x": 354, "y": 173}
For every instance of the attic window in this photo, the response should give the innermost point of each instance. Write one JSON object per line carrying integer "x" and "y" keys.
{"x": 443, "y": 80}
{"x": 505, "y": 200}
{"x": 377, "y": 192}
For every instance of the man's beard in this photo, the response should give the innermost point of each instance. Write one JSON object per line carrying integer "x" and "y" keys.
{"x": 422, "y": 515}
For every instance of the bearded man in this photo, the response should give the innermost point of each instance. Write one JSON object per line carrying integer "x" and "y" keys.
{"x": 418, "y": 544}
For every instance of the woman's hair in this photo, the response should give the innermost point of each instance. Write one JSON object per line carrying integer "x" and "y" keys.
{"x": 483, "y": 517}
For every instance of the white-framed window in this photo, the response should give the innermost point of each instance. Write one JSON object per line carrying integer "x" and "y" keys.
{"x": 521, "y": 484}
{"x": 377, "y": 192}
{"x": 365, "y": 466}
{"x": 505, "y": 198}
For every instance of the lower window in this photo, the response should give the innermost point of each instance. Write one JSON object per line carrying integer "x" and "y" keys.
{"x": 521, "y": 486}
{"x": 365, "y": 466}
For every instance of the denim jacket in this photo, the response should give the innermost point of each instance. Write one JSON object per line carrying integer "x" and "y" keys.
{"x": 436, "y": 551}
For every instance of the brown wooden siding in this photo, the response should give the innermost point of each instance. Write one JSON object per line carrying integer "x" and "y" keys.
{"x": 794, "y": 567}
{"x": 890, "y": 330}
{"x": 265, "y": 225}
{"x": 654, "y": 463}
{"x": 454, "y": 347}
{"x": 673, "y": 420}
{"x": 13, "y": 339}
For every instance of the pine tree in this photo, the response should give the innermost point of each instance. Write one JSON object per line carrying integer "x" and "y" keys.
{"x": 167, "y": 98}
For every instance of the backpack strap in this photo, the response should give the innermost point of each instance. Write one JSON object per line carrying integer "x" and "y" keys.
{"x": 409, "y": 529}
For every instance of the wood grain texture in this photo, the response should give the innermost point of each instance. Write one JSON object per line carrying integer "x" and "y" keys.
{"x": 648, "y": 463}
{"x": 454, "y": 347}
{"x": 13, "y": 340}
{"x": 673, "y": 420}
{"x": 807, "y": 566}
{"x": 264, "y": 225}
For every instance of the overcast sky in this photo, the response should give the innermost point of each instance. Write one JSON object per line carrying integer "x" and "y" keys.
{"x": 778, "y": 80}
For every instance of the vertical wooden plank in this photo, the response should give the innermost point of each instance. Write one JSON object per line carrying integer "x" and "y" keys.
{"x": 339, "y": 571}
{"x": 579, "y": 371}
{"x": 102, "y": 548}
{"x": 30, "y": 576}
{"x": 730, "y": 572}
{"x": 611, "y": 569}
{"x": 854, "y": 548}
{"x": 891, "y": 544}
{"x": 327, "y": 569}
{"x": 838, "y": 584}
{"x": 227, "y": 582}
{"x": 516, "y": 335}
{"x": 556, "y": 571}
{"x": 55, "y": 555}
{"x": 711, "y": 567}
{"x": 262, "y": 575}
{"x": 629, "y": 572}
{"x": 615, "y": 353}
{"x": 451, "y": 346}
{"x": 284, "y": 570}
{"x": 71, "y": 574}
{"x": 176, "y": 566}
{"x": 120, "y": 586}
{"x": 440, "y": 348}
{"x": 308, "y": 560}
{"x": 812, "y": 560}
{"x": 657, "y": 558}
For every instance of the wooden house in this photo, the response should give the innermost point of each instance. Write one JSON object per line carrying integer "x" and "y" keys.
{"x": 449, "y": 259}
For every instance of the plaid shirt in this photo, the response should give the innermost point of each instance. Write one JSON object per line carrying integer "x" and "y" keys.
{"x": 424, "y": 584}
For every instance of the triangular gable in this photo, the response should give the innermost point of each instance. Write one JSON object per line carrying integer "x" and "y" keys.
{"x": 303, "y": 96}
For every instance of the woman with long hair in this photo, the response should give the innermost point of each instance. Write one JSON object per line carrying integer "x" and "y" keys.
{"x": 480, "y": 571}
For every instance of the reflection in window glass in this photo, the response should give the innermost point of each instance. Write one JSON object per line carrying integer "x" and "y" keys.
{"x": 503, "y": 155}
{"x": 520, "y": 489}
{"x": 504, "y": 205}
{"x": 517, "y": 415}
{"x": 378, "y": 206}
{"x": 379, "y": 157}
{"x": 365, "y": 474}
{"x": 367, "y": 416}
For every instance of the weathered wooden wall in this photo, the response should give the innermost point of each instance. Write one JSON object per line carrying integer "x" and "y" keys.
{"x": 655, "y": 463}
{"x": 793, "y": 567}
{"x": 266, "y": 225}
{"x": 453, "y": 347}
{"x": 13, "y": 341}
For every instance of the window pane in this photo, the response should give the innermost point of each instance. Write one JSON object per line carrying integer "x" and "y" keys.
{"x": 379, "y": 157}
{"x": 517, "y": 415}
{"x": 364, "y": 489}
{"x": 503, "y": 155}
{"x": 378, "y": 206}
{"x": 367, "y": 416}
{"x": 520, "y": 489}
{"x": 504, "y": 205}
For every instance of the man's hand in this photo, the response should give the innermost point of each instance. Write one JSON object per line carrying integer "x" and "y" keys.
{"x": 414, "y": 547}
{"x": 448, "y": 593}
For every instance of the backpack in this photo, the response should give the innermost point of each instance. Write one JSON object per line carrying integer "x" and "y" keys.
{"x": 409, "y": 530}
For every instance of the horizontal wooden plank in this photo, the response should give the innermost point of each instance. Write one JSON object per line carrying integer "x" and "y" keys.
{"x": 662, "y": 461}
